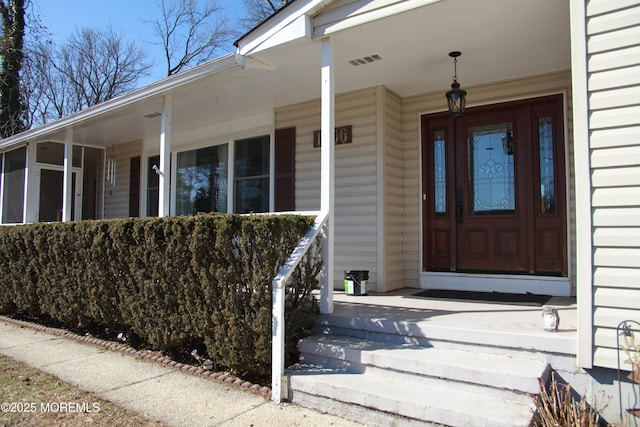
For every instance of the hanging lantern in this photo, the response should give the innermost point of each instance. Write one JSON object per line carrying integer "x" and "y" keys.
{"x": 456, "y": 97}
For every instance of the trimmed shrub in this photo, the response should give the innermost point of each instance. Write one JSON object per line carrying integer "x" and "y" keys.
{"x": 175, "y": 282}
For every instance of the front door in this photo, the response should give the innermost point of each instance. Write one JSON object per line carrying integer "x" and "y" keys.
{"x": 50, "y": 195}
{"x": 494, "y": 189}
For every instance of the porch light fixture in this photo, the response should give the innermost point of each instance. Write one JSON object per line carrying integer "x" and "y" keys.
{"x": 456, "y": 96}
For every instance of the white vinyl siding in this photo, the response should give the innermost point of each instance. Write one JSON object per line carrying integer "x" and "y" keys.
{"x": 116, "y": 201}
{"x": 414, "y": 107}
{"x": 356, "y": 227}
{"x": 391, "y": 153}
{"x": 613, "y": 80}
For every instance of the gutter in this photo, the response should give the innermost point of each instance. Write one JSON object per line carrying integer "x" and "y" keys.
{"x": 223, "y": 64}
{"x": 278, "y": 20}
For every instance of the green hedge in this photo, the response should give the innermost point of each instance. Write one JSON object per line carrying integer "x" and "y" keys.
{"x": 173, "y": 281}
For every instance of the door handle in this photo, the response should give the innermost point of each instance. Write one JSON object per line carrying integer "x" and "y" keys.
{"x": 459, "y": 206}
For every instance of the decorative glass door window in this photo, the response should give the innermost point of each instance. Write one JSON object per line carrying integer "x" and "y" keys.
{"x": 547, "y": 170}
{"x": 491, "y": 169}
{"x": 440, "y": 172}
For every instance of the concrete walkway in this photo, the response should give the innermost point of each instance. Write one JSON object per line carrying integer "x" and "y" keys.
{"x": 150, "y": 388}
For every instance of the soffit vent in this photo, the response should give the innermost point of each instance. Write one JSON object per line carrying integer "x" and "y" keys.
{"x": 365, "y": 60}
{"x": 152, "y": 115}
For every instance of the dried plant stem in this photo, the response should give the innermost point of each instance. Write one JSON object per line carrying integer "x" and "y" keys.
{"x": 556, "y": 407}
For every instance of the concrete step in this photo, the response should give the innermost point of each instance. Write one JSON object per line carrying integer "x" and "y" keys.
{"x": 399, "y": 384}
{"x": 374, "y": 398}
{"x": 394, "y": 366}
{"x": 400, "y": 328}
{"x": 500, "y": 372}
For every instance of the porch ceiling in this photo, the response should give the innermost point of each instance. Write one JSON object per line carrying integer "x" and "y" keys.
{"x": 499, "y": 39}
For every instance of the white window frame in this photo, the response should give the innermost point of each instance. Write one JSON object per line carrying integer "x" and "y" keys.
{"x": 144, "y": 182}
{"x": 231, "y": 142}
{"x": 25, "y": 195}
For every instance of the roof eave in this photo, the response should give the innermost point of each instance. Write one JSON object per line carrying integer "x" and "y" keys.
{"x": 220, "y": 65}
{"x": 274, "y": 23}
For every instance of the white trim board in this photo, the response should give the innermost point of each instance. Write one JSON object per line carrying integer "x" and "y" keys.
{"x": 512, "y": 283}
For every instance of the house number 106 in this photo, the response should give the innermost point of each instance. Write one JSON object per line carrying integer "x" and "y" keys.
{"x": 343, "y": 135}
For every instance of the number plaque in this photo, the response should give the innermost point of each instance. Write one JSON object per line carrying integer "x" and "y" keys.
{"x": 343, "y": 136}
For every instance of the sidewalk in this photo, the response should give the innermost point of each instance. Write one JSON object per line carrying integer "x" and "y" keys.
{"x": 156, "y": 391}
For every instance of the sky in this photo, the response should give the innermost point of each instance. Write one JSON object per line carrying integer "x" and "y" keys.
{"x": 63, "y": 17}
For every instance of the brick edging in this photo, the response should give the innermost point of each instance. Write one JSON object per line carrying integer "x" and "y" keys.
{"x": 148, "y": 356}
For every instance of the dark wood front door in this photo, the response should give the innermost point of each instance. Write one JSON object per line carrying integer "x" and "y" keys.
{"x": 493, "y": 189}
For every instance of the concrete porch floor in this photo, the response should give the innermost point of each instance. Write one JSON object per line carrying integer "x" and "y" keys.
{"x": 493, "y": 324}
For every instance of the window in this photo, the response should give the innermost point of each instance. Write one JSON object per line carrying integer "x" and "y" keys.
{"x": 1, "y": 164}
{"x": 76, "y": 156}
{"x": 134, "y": 186}
{"x": 13, "y": 196}
{"x": 50, "y": 152}
{"x": 201, "y": 180}
{"x": 50, "y": 206}
{"x": 92, "y": 161}
{"x": 153, "y": 186}
{"x": 547, "y": 172}
{"x": 252, "y": 175}
{"x": 204, "y": 181}
{"x": 492, "y": 169}
{"x": 440, "y": 172}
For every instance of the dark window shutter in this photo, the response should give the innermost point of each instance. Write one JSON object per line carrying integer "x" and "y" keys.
{"x": 134, "y": 187}
{"x": 285, "y": 170}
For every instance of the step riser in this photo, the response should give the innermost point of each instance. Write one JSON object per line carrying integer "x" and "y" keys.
{"x": 334, "y": 364}
{"x": 406, "y": 331}
{"x": 498, "y": 393}
{"x": 355, "y": 412}
{"x": 495, "y": 371}
{"x": 412, "y": 409}
{"x": 342, "y": 366}
{"x": 560, "y": 361}
{"x": 495, "y": 380}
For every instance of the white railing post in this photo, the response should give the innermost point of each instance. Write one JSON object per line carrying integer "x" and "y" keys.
{"x": 327, "y": 172}
{"x": 277, "y": 342}
{"x": 67, "y": 176}
{"x": 279, "y": 390}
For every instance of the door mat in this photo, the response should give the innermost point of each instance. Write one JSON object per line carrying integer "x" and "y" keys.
{"x": 496, "y": 297}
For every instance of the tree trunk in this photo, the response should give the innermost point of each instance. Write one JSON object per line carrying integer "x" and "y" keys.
{"x": 12, "y": 107}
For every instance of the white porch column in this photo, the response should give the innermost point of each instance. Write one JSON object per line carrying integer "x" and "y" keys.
{"x": 327, "y": 173}
{"x": 165, "y": 156}
{"x": 67, "y": 192}
{"x": 583, "y": 191}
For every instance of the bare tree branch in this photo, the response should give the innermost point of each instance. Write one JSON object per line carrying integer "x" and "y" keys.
{"x": 91, "y": 67}
{"x": 190, "y": 33}
{"x": 257, "y": 11}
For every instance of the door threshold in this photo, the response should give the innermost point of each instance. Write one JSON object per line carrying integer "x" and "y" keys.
{"x": 510, "y": 283}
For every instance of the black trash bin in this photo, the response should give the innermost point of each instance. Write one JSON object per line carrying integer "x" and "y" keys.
{"x": 355, "y": 282}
